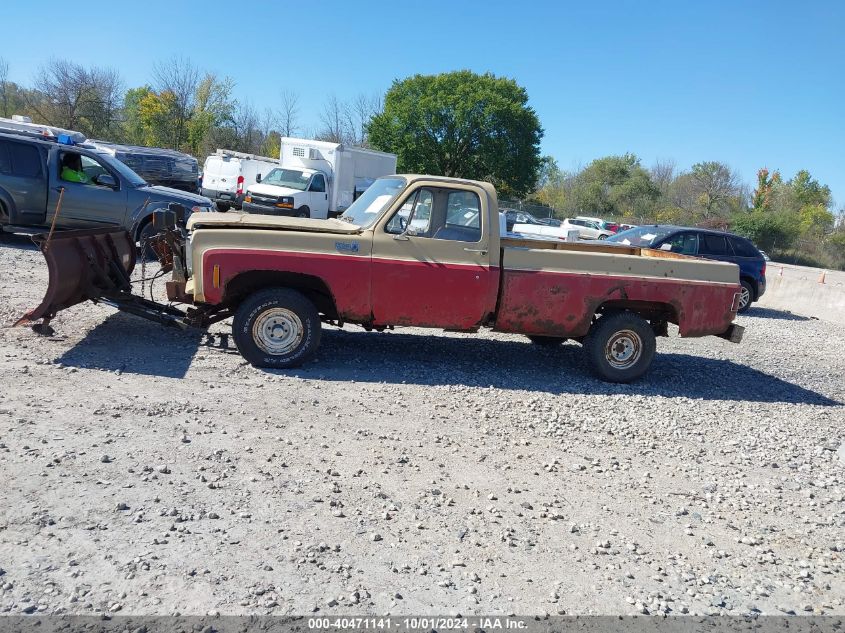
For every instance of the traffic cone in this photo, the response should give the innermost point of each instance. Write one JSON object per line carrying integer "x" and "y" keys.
{"x": 821, "y": 277}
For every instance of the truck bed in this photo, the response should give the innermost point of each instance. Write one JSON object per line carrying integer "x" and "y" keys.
{"x": 555, "y": 288}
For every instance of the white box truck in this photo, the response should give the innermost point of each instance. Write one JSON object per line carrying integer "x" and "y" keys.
{"x": 226, "y": 175}
{"x": 316, "y": 179}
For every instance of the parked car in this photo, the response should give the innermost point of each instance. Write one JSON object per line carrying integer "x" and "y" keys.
{"x": 227, "y": 174}
{"x": 96, "y": 189}
{"x": 709, "y": 244}
{"x": 603, "y": 224}
{"x": 519, "y": 217}
{"x": 165, "y": 167}
{"x": 589, "y": 229}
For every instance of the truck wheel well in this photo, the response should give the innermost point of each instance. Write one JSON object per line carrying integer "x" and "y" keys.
{"x": 653, "y": 311}
{"x": 312, "y": 287}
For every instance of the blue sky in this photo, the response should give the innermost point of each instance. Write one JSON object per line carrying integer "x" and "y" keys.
{"x": 750, "y": 83}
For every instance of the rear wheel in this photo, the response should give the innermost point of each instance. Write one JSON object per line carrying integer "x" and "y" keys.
{"x": 746, "y": 296}
{"x": 620, "y": 347}
{"x": 222, "y": 207}
{"x": 277, "y": 328}
{"x": 602, "y": 236}
{"x": 546, "y": 341}
{"x": 303, "y": 212}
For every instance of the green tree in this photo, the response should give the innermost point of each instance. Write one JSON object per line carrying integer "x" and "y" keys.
{"x": 715, "y": 186}
{"x": 808, "y": 191}
{"x": 461, "y": 124}
{"x": 614, "y": 185}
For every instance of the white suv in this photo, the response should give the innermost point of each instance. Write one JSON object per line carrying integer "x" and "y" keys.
{"x": 587, "y": 229}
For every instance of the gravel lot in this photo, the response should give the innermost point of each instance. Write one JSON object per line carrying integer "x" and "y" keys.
{"x": 149, "y": 471}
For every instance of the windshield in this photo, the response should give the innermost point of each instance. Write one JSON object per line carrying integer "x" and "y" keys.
{"x": 290, "y": 178}
{"x": 641, "y": 236}
{"x": 378, "y": 196}
{"x": 130, "y": 176}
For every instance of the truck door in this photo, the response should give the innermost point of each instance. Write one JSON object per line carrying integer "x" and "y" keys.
{"x": 24, "y": 179}
{"x": 94, "y": 198}
{"x": 318, "y": 197}
{"x": 430, "y": 261}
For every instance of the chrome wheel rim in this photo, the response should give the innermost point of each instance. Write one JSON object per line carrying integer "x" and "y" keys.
{"x": 277, "y": 331}
{"x": 744, "y": 297}
{"x": 623, "y": 349}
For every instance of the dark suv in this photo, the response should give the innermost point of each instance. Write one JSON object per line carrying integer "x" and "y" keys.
{"x": 96, "y": 190}
{"x": 725, "y": 247}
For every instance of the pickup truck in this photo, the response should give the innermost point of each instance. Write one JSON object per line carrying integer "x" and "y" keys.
{"x": 108, "y": 194}
{"x": 413, "y": 250}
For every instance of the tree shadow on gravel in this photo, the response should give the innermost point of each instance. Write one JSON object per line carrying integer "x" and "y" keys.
{"x": 135, "y": 346}
{"x": 772, "y": 313}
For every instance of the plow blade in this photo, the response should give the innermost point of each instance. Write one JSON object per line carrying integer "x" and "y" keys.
{"x": 90, "y": 264}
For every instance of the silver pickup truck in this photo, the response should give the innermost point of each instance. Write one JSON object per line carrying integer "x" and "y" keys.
{"x": 104, "y": 194}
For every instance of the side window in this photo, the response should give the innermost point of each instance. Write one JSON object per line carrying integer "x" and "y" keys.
{"x": 743, "y": 248}
{"x": 25, "y": 160}
{"x": 713, "y": 245}
{"x": 318, "y": 184}
{"x": 417, "y": 207}
{"x": 92, "y": 168}
{"x": 5, "y": 163}
{"x": 683, "y": 243}
{"x": 463, "y": 218}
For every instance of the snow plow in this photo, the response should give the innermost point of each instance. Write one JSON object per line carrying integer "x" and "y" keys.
{"x": 96, "y": 265}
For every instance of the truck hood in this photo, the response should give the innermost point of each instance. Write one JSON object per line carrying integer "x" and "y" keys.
{"x": 272, "y": 190}
{"x": 175, "y": 195}
{"x": 281, "y": 223}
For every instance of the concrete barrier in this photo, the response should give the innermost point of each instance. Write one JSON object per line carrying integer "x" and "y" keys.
{"x": 812, "y": 292}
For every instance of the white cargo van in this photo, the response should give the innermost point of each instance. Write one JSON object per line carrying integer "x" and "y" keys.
{"x": 316, "y": 179}
{"x": 227, "y": 174}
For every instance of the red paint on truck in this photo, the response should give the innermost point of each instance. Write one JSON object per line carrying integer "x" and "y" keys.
{"x": 563, "y": 304}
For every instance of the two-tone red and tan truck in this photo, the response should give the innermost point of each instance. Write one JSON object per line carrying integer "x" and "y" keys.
{"x": 413, "y": 250}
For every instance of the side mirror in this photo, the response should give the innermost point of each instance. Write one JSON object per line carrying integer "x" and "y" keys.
{"x": 106, "y": 180}
{"x": 258, "y": 178}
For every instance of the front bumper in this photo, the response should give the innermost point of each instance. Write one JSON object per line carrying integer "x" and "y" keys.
{"x": 260, "y": 209}
{"x": 227, "y": 197}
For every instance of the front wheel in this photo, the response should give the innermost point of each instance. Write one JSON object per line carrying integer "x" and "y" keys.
{"x": 303, "y": 212}
{"x": 277, "y": 328}
{"x": 602, "y": 237}
{"x": 620, "y": 347}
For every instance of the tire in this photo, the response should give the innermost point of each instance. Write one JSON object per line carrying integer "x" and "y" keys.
{"x": 303, "y": 212}
{"x": 746, "y": 297}
{"x": 546, "y": 341}
{"x": 602, "y": 236}
{"x": 146, "y": 232}
{"x": 277, "y": 328}
{"x": 620, "y": 347}
{"x": 222, "y": 207}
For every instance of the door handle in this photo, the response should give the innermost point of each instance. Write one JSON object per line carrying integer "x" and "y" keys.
{"x": 483, "y": 251}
